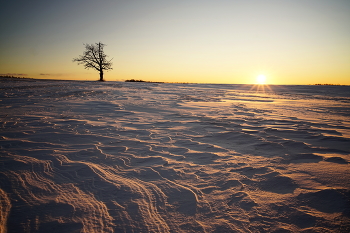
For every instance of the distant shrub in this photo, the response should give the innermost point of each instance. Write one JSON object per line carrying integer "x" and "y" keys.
{"x": 133, "y": 80}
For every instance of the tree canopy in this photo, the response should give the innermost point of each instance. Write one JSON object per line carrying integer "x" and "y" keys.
{"x": 94, "y": 57}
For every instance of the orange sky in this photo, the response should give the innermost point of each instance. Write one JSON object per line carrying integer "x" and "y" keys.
{"x": 222, "y": 41}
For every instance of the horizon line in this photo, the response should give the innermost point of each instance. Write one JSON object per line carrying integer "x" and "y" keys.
{"x": 144, "y": 81}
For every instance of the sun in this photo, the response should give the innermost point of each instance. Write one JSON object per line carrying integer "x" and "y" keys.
{"x": 261, "y": 84}
{"x": 261, "y": 79}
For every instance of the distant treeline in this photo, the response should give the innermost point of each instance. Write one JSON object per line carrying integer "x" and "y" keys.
{"x": 328, "y": 84}
{"x": 9, "y": 76}
{"x": 134, "y": 80}
{"x": 140, "y": 81}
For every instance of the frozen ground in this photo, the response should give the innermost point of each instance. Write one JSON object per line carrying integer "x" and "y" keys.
{"x": 143, "y": 157}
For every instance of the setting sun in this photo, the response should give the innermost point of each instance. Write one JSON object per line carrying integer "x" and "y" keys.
{"x": 261, "y": 79}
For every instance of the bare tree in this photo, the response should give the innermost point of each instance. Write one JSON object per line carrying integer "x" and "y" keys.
{"x": 94, "y": 57}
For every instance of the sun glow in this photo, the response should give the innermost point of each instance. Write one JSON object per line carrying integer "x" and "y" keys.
{"x": 261, "y": 79}
{"x": 261, "y": 84}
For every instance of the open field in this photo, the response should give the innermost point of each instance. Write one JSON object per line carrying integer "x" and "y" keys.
{"x": 148, "y": 157}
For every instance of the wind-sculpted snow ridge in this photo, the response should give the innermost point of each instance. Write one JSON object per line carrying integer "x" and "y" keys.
{"x": 145, "y": 157}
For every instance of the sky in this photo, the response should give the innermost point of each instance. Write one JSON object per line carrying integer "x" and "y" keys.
{"x": 199, "y": 41}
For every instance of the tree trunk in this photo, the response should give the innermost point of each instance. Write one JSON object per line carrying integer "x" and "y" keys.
{"x": 101, "y": 75}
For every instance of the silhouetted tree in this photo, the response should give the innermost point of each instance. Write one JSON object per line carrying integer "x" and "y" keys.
{"x": 94, "y": 57}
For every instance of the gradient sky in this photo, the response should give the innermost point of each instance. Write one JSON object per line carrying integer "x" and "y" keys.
{"x": 210, "y": 41}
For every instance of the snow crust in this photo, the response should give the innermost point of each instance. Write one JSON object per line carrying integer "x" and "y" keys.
{"x": 146, "y": 157}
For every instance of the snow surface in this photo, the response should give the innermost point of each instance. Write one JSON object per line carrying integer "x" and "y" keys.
{"x": 146, "y": 157}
